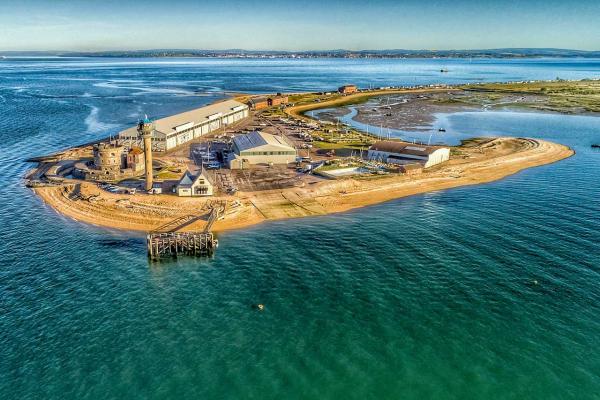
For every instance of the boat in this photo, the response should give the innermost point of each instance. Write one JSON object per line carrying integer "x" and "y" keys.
{"x": 443, "y": 70}
{"x": 441, "y": 130}
{"x": 596, "y": 146}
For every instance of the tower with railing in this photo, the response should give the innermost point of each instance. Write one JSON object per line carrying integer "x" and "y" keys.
{"x": 145, "y": 130}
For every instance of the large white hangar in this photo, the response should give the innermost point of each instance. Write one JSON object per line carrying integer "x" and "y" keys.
{"x": 408, "y": 153}
{"x": 261, "y": 148}
{"x": 178, "y": 129}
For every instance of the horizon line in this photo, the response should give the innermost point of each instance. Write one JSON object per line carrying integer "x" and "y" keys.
{"x": 308, "y": 51}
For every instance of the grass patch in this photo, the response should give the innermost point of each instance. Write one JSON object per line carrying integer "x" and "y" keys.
{"x": 559, "y": 95}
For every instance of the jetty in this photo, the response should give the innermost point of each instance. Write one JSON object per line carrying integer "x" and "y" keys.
{"x": 168, "y": 241}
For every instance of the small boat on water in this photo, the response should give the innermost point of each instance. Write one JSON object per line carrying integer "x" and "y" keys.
{"x": 443, "y": 70}
{"x": 596, "y": 146}
{"x": 441, "y": 130}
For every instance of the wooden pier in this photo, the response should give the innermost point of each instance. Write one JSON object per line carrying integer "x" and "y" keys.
{"x": 166, "y": 241}
{"x": 173, "y": 244}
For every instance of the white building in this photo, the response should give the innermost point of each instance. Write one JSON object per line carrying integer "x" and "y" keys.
{"x": 407, "y": 153}
{"x": 261, "y": 148}
{"x": 157, "y": 188}
{"x": 178, "y": 129}
{"x": 192, "y": 186}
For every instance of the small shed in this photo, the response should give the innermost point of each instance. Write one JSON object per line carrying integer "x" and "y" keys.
{"x": 348, "y": 89}
{"x": 157, "y": 188}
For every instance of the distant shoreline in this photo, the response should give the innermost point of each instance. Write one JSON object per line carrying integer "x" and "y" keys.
{"x": 508, "y": 53}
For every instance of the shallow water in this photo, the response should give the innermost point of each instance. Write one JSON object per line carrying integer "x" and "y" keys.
{"x": 431, "y": 296}
{"x": 422, "y": 134}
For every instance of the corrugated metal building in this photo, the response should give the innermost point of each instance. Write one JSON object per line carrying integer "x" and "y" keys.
{"x": 408, "y": 153}
{"x": 178, "y": 129}
{"x": 261, "y": 148}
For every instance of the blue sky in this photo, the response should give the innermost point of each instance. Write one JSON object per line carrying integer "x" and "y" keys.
{"x": 297, "y": 25}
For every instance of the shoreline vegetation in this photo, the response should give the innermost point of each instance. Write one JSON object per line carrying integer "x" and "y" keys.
{"x": 476, "y": 161}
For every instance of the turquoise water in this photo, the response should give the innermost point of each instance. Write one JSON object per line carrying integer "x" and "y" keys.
{"x": 431, "y": 296}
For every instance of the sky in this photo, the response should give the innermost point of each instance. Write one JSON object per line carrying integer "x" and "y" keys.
{"x": 296, "y": 25}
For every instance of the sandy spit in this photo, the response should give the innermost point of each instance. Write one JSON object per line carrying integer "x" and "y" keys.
{"x": 85, "y": 202}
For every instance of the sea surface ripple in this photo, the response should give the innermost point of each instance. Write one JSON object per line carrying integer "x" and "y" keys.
{"x": 490, "y": 291}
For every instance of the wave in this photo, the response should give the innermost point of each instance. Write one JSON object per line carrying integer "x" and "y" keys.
{"x": 93, "y": 123}
{"x": 142, "y": 90}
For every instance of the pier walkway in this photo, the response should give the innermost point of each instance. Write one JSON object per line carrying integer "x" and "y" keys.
{"x": 168, "y": 241}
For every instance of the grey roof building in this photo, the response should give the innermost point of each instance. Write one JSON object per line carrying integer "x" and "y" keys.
{"x": 261, "y": 148}
{"x": 175, "y": 130}
{"x": 408, "y": 153}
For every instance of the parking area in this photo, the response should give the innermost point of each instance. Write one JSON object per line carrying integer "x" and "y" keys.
{"x": 210, "y": 155}
{"x": 256, "y": 178}
{"x": 125, "y": 187}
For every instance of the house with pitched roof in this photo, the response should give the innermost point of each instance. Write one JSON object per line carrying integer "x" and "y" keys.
{"x": 191, "y": 185}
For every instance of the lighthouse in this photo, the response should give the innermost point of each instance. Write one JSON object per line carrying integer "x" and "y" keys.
{"x": 145, "y": 129}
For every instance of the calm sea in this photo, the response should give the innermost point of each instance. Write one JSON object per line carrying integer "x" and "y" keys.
{"x": 483, "y": 292}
